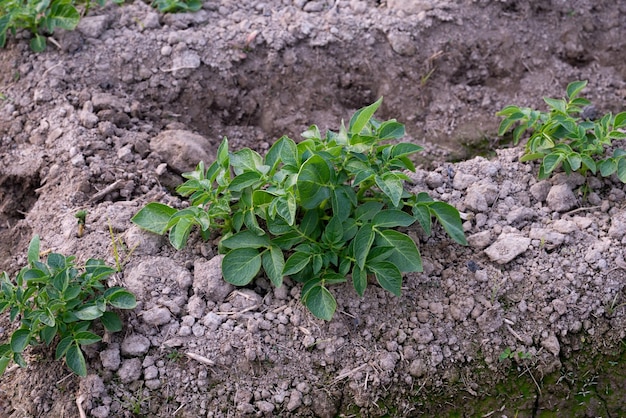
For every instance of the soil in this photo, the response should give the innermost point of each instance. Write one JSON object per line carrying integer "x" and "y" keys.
{"x": 543, "y": 275}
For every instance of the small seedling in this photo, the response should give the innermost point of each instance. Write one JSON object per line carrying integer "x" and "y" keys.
{"x": 81, "y": 215}
{"x": 322, "y": 211}
{"x": 121, "y": 254}
{"x": 53, "y": 298}
{"x": 563, "y": 137}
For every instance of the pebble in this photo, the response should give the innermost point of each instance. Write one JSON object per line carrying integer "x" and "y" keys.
{"x": 130, "y": 370}
{"x": 135, "y": 345}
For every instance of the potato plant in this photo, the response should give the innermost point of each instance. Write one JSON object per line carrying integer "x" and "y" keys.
{"x": 564, "y": 137}
{"x": 54, "y": 302}
{"x": 323, "y": 211}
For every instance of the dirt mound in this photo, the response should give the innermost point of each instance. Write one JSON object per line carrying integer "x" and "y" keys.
{"x": 542, "y": 279}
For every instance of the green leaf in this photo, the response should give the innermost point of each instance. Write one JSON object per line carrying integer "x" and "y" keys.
{"x": 621, "y": 170}
{"x": 391, "y": 185}
{"x": 313, "y": 180}
{"x": 5, "y": 360}
{"x": 223, "y": 157}
{"x": 620, "y": 120}
{"x": 589, "y": 163}
{"x": 274, "y": 264}
{"x": 405, "y": 255}
{"x": 19, "y": 340}
{"x": 111, "y": 321}
{"x": 33, "y": 250}
{"x": 86, "y": 338}
{"x": 450, "y": 219}
{"x": 552, "y": 161}
{"x": 320, "y": 302}
{"x": 154, "y": 217}
{"x": 359, "y": 280}
{"x": 421, "y": 211}
{"x": 556, "y": 104}
{"x": 240, "y": 266}
{"x": 62, "y": 15}
{"x": 38, "y": 43}
{"x": 286, "y": 207}
{"x": 48, "y": 334}
{"x": 296, "y": 263}
{"x": 366, "y": 211}
{"x": 89, "y": 313}
{"x": 391, "y": 130}
{"x": 392, "y": 218}
{"x": 76, "y": 361}
{"x": 607, "y": 167}
{"x": 388, "y": 276}
{"x": 180, "y": 232}
{"x": 362, "y": 116}
{"x": 531, "y": 156}
{"x": 246, "y": 160}
{"x": 63, "y": 346}
{"x": 243, "y": 180}
{"x": 362, "y": 244}
{"x": 334, "y": 231}
{"x": 123, "y": 299}
{"x": 574, "y": 88}
{"x": 246, "y": 239}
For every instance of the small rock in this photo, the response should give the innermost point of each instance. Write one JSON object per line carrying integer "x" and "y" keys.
{"x": 423, "y": 335}
{"x": 295, "y": 400}
{"x": 561, "y": 198}
{"x": 552, "y": 345}
{"x": 151, "y": 372}
{"x": 519, "y": 215}
{"x": 434, "y": 180}
{"x": 507, "y": 247}
{"x": 110, "y": 357}
{"x": 130, "y": 370}
{"x": 540, "y": 190}
{"x": 108, "y": 101}
{"x": 157, "y": 316}
{"x": 388, "y": 361}
{"x": 102, "y": 411}
{"x": 618, "y": 225}
{"x": 402, "y": 43}
{"x": 135, "y": 345}
{"x": 196, "y": 306}
{"x": 462, "y": 181}
{"x": 93, "y": 26}
{"x": 564, "y": 226}
{"x": 559, "y": 306}
{"x": 490, "y": 320}
{"x": 181, "y": 150}
{"x": 265, "y": 407}
{"x": 480, "y": 240}
{"x": 143, "y": 242}
{"x": 212, "y": 321}
{"x": 547, "y": 236}
{"x": 208, "y": 281}
{"x": 125, "y": 153}
{"x": 417, "y": 368}
{"x": 413, "y": 6}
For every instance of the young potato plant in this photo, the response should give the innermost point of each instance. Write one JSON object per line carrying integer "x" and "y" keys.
{"x": 37, "y": 16}
{"x": 321, "y": 211}
{"x": 564, "y": 137}
{"x": 53, "y": 298}
{"x": 42, "y": 17}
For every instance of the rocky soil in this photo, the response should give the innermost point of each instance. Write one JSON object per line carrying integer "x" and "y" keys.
{"x": 130, "y": 100}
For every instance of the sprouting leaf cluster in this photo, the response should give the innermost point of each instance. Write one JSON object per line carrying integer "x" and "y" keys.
{"x": 39, "y": 17}
{"x": 322, "y": 211}
{"x": 564, "y": 137}
{"x": 42, "y": 17}
{"x": 53, "y": 298}
{"x": 177, "y": 6}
